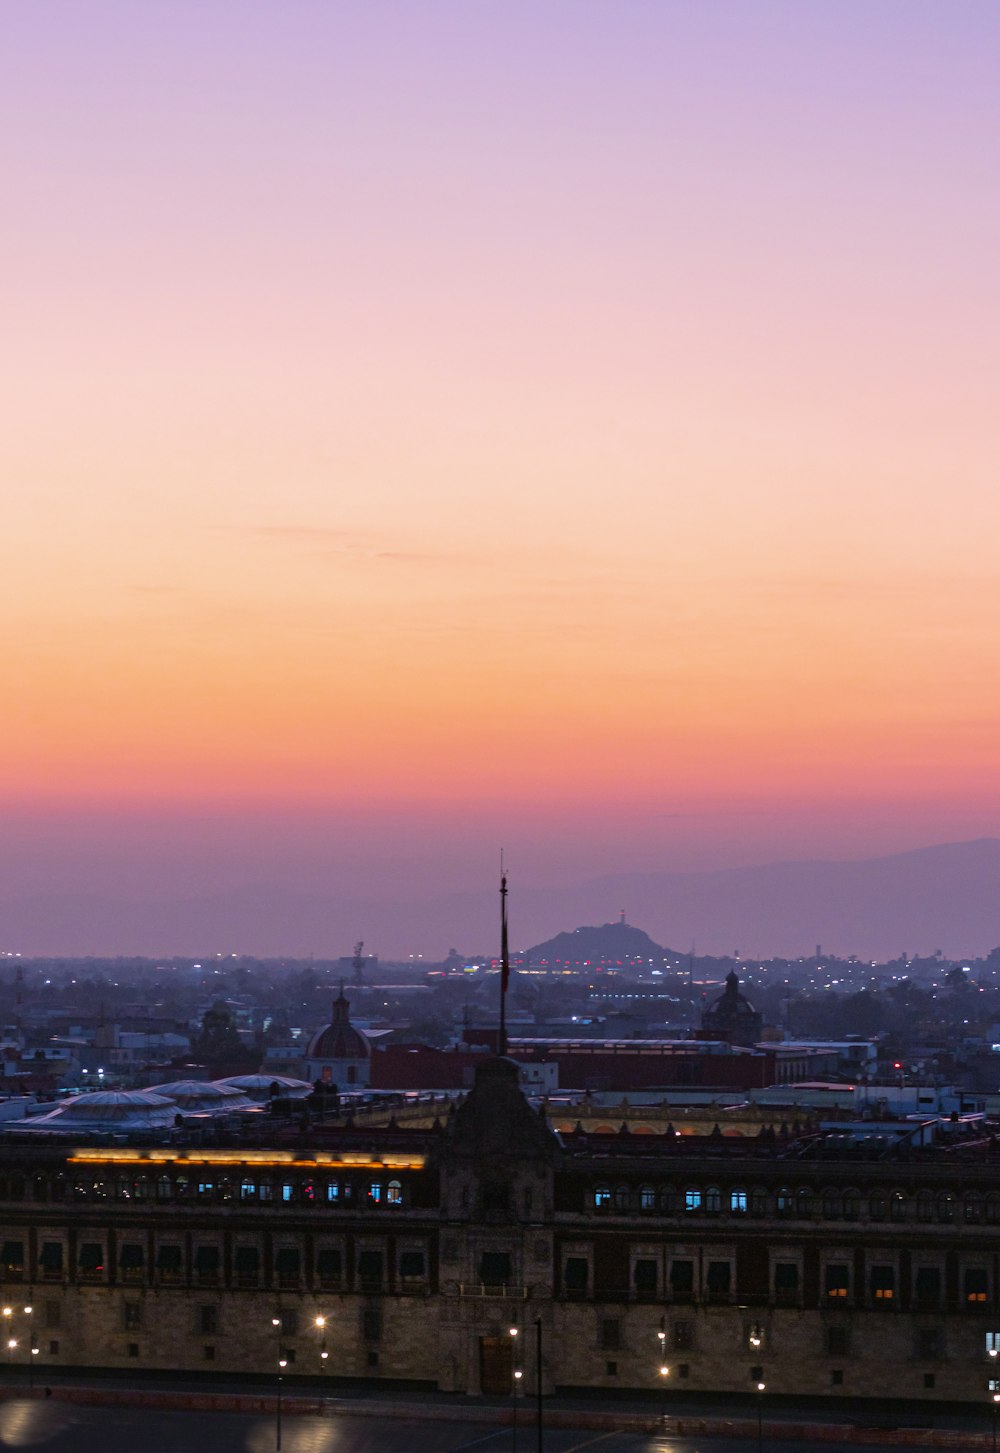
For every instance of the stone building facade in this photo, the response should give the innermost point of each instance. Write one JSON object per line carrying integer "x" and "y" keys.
{"x": 818, "y": 1268}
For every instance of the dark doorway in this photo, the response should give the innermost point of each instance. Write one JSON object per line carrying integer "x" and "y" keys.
{"x": 496, "y": 1366}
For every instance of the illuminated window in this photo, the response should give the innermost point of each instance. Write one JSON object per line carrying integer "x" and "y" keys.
{"x": 738, "y": 1203}
{"x": 692, "y": 1199}
{"x": 882, "y": 1282}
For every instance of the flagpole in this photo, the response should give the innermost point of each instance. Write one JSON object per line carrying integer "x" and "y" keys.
{"x": 504, "y": 962}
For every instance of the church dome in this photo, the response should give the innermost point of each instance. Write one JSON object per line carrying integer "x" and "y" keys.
{"x": 339, "y": 1040}
{"x": 731, "y": 1015}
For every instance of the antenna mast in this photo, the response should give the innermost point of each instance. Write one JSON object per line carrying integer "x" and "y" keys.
{"x": 504, "y": 962}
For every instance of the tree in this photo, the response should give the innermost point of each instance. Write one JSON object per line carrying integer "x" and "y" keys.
{"x": 218, "y": 1043}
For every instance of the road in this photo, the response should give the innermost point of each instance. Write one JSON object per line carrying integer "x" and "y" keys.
{"x": 52, "y": 1426}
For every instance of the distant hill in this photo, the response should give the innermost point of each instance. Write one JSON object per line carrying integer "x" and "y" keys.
{"x": 611, "y": 944}
{"x": 945, "y": 897}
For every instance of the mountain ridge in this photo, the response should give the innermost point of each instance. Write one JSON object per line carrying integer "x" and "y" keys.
{"x": 944, "y": 896}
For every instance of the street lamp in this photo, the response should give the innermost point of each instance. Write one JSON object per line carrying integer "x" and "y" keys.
{"x": 661, "y": 1338}
{"x": 320, "y": 1324}
{"x": 513, "y": 1331}
{"x": 996, "y": 1400}
{"x": 760, "y": 1417}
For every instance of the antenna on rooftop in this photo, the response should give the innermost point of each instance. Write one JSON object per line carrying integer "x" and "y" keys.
{"x": 504, "y": 960}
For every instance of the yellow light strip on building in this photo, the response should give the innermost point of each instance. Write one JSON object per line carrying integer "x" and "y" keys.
{"x": 248, "y": 1159}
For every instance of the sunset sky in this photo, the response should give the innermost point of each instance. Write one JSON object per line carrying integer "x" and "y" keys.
{"x": 570, "y": 426}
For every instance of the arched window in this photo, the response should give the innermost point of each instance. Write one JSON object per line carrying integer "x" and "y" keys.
{"x": 878, "y": 1206}
{"x": 394, "y": 1193}
{"x": 164, "y": 1188}
{"x": 647, "y": 1198}
{"x": 621, "y": 1198}
{"x": 602, "y": 1198}
{"x": 265, "y": 1190}
{"x": 41, "y": 1188}
{"x": 333, "y": 1192}
{"x": 972, "y": 1210}
{"x": 832, "y": 1204}
{"x": 248, "y": 1189}
{"x": 758, "y": 1201}
{"x": 374, "y": 1197}
{"x": 739, "y": 1203}
{"x": 713, "y": 1201}
{"x": 668, "y": 1200}
{"x": 692, "y": 1199}
{"x": 993, "y": 1209}
{"x": 852, "y": 1204}
{"x": 804, "y": 1202}
{"x": 784, "y": 1202}
{"x": 898, "y": 1206}
{"x": 140, "y": 1188}
{"x": 925, "y": 1206}
{"x": 946, "y": 1206}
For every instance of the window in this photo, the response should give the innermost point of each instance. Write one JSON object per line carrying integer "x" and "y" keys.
{"x": 611, "y": 1369}
{"x": 371, "y": 1358}
{"x": 287, "y": 1192}
{"x": 852, "y": 1205}
{"x": 374, "y": 1193}
{"x": 371, "y": 1269}
{"x": 576, "y": 1275}
{"x": 412, "y": 1265}
{"x": 882, "y": 1283}
{"x": 329, "y": 1266}
{"x": 683, "y": 1336}
{"x": 371, "y": 1322}
{"x": 333, "y": 1192}
{"x": 164, "y": 1188}
{"x": 611, "y": 1334}
{"x": 132, "y": 1315}
{"x": 13, "y": 1258}
{"x": 602, "y": 1198}
{"x": 692, "y": 1199}
{"x": 208, "y": 1353}
{"x": 265, "y": 1191}
{"x": 645, "y": 1276}
{"x": 246, "y": 1264}
{"x": 838, "y": 1341}
{"x": 878, "y": 1207}
{"x": 168, "y": 1262}
{"x": 804, "y": 1203}
{"x": 131, "y": 1260}
{"x": 208, "y": 1321}
{"x": 754, "y": 1334}
{"x": 992, "y": 1342}
{"x": 682, "y": 1280}
{"x": 929, "y": 1379}
{"x": 832, "y": 1205}
{"x": 836, "y": 1377}
{"x": 925, "y": 1206}
{"x": 287, "y": 1266}
{"x": 206, "y": 1263}
{"x": 647, "y": 1198}
{"x": 897, "y": 1206}
{"x": 927, "y": 1286}
{"x": 836, "y": 1281}
{"x": 784, "y": 1202}
{"x": 668, "y": 1200}
{"x": 91, "y": 1259}
{"x": 394, "y": 1193}
{"x": 758, "y": 1201}
{"x": 786, "y": 1280}
{"x": 929, "y": 1344}
{"x": 713, "y": 1201}
{"x": 494, "y": 1269}
{"x": 946, "y": 1206}
{"x": 976, "y": 1286}
{"x": 621, "y": 1198}
{"x": 719, "y": 1279}
{"x": 738, "y": 1203}
{"x": 133, "y": 1349}
{"x": 53, "y": 1349}
{"x": 248, "y": 1190}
